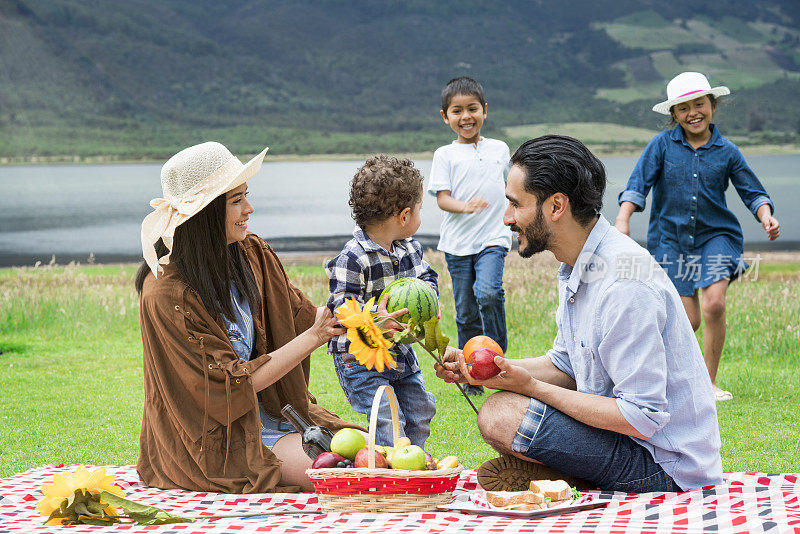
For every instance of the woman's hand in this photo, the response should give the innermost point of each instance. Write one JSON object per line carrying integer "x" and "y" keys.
{"x": 771, "y": 226}
{"x": 325, "y": 326}
{"x": 391, "y": 324}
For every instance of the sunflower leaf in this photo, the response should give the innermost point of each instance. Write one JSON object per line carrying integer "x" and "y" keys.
{"x": 410, "y": 329}
{"x": 434, "y": 338}
{"x": 441, "y": 340}
{"x": 430, "y": 333}
{"x": 96, "y": 520}
{"x": 143, "y": 514}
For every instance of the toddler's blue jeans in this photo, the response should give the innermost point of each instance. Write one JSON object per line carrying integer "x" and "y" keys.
{"x": 479, "y": 296}
{"x": 417, "y": 406}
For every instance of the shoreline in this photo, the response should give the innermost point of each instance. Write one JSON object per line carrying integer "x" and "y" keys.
{"x": 610, "y": 150}
{"x": 789, "y": 252}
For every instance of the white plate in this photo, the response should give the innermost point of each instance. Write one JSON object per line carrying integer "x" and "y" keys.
{"x": 476, "y": 504}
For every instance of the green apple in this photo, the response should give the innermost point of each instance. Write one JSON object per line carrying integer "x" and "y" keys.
{"x": 347, "y": 442}
{"x": 409, "y": 457}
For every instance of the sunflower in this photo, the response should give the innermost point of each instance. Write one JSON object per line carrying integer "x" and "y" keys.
{"x": 367, "y": 342}
{"x": 72, "y": 495}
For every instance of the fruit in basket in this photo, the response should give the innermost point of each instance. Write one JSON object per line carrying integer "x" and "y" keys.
{"x": 410, "y": 457}
{"x": 402, "y": 442}
{"x": 448, "y": 462}
{"x": 430, "y": 462}
{"x": 483, "y": 365}
{"x": 416, "y": 295}
{"x": 389, "y": 451}
{"x": 347, "y": 442}
{"x": 479, "y": 342}
{"x": 326, "y": 460}
{"x": 362, "y": 459}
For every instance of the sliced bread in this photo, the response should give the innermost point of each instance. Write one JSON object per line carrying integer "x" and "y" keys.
{"x": 502, "y": 499}
{"x": 557, "y": 490}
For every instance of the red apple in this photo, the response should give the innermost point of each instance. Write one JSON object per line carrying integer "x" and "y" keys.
{"x": 325, "y": 460}
{"x": 483, "y": 365}
{"x": 362, "y": 459}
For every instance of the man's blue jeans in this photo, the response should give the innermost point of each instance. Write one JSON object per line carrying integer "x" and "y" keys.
{"x": 479, "y": 296}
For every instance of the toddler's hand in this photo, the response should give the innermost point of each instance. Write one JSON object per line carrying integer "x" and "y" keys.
{"x": 325, "y": 325}
{"x": 391, "y": 325}
{"x": 475, "y": 205}
{"x": 771, "y": 226}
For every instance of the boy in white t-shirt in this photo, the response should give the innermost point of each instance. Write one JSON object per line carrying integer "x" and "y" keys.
{"x": 468, "y": 180}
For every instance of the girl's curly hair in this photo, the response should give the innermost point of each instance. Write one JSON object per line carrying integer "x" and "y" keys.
{"x": 382, "y": 187}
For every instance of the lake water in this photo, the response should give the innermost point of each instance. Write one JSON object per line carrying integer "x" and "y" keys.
{"x": 72, "y": 211}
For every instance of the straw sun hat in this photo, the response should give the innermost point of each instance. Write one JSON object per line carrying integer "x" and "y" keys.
{"x": 688, "y": 86}
{"x": 190, "y": 180}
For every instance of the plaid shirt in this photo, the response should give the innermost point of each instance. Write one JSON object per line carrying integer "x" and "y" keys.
{"x": 363, "y": 269}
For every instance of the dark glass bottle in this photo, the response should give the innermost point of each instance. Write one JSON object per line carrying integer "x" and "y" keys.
{"x": 316, "y": 439}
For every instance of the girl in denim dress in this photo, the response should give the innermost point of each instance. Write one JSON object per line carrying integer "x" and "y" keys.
{"x": 692, "y": 233}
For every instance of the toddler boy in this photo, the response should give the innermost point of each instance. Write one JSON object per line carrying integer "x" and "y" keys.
{"x": 385, "y": 198}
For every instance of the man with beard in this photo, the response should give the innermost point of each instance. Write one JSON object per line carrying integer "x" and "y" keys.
{"x": 622, "y": 401}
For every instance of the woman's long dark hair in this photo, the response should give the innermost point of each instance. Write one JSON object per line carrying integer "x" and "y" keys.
{"x": 207, "y": 263}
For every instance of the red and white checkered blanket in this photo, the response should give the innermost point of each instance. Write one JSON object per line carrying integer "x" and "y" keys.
{"x": 747, "y": 502}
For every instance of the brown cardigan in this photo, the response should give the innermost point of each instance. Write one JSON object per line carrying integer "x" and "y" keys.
{"x": 201, "y": 429}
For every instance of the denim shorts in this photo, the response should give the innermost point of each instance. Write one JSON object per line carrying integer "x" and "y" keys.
{"x": 273, "y": 429}
{"x": 612, "y": 461}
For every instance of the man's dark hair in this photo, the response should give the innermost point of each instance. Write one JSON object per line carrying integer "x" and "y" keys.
{"x": 207, "y": 263}
{"x": 560, "y": 164}
{"x": 462, "y": 86}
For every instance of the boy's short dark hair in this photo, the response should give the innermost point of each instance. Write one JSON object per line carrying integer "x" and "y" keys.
{"x": 462, "y": 86}
{"x": 561, "y": 164}
{"x": 383, "y": 187}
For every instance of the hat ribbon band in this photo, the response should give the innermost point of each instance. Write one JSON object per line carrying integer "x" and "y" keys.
{"x": 691, "y": 93}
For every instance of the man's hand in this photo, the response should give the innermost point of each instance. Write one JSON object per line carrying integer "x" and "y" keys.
{"x": 451, "y": 371}
{"x": 511, "y": 378}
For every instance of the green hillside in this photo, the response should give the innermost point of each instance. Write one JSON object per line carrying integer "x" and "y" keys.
{"x": 143, "y": 78}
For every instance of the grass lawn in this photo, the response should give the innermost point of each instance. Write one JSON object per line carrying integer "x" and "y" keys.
{"x": 71, "y": 379}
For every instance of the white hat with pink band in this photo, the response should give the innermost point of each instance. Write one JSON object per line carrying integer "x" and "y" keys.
{"x": 688, "y": 86}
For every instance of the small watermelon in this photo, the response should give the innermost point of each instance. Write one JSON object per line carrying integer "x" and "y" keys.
{"x": 416, "y": 295}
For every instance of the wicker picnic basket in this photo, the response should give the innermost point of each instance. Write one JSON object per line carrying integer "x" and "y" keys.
{"x": 367, "y": 489}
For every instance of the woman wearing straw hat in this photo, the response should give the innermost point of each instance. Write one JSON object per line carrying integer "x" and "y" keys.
{"x": 226, "y": 338}
{"x": 692, "y": 232}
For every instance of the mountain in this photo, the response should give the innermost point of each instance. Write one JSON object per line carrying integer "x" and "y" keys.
{"x": 143, "y": 78}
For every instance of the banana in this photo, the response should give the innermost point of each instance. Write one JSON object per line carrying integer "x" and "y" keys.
{"x": 448, "y": 462}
